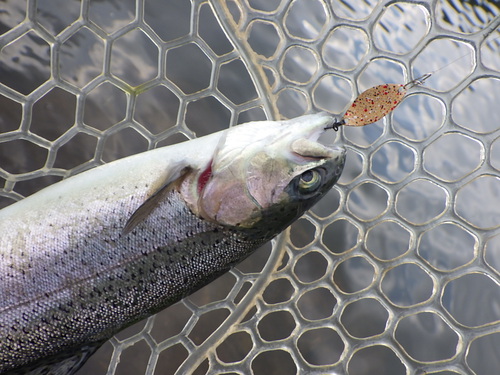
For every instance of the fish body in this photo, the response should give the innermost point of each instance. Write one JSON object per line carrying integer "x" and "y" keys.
{"x": 97, "y": 252}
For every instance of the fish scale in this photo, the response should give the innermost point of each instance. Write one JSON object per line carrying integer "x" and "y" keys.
{"x": 93, "y": 254}
{"x": 193, "y": 254}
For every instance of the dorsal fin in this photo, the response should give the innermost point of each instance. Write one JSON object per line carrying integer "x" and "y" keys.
{"x": 143, "y": 211}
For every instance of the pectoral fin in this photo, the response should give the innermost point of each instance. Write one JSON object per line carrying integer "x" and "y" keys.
{"x": 153, "y": 201}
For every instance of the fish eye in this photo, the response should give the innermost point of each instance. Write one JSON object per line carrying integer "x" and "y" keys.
{"x": 309, "y": 181}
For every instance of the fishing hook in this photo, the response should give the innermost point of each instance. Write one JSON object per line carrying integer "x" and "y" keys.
{"x": 336, "y": 124}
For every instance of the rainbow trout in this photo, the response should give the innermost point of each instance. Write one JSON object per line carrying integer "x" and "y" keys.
{"x": 93, "y": 254}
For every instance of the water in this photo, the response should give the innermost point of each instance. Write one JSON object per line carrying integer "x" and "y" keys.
{"x": 396, "y": 269}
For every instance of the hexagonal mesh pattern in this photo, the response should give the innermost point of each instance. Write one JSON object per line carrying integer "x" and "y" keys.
{"x": 397, "y": 269}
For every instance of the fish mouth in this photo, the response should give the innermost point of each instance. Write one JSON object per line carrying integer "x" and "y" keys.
{"x": 311, "y": 128}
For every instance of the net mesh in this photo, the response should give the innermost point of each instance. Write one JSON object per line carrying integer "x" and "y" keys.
{"x": 395, "y": 271}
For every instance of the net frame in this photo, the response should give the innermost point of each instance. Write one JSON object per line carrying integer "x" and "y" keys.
{"x": 282, "y": 87}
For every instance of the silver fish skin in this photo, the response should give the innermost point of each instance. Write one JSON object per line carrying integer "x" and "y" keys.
{"x": 97, "y": 252}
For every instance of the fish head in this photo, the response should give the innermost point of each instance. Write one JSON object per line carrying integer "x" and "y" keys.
{"x": 267, "y": 171}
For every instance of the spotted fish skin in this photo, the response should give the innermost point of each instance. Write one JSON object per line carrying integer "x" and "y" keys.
{"x": 126, "y": 288}
{"x": 91, "y": 255}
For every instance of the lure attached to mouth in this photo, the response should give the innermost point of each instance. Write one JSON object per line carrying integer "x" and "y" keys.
{"x": 375, "y": 103}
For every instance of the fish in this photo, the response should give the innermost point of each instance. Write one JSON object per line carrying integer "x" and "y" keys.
{"x": 97, "y": 252}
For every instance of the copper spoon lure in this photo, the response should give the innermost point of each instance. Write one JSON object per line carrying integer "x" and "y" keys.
{"x": 376, "y": 102}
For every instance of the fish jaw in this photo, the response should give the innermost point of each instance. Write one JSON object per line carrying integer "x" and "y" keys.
{"x": 68, "y": 267}
{"x": 253, "y": 165}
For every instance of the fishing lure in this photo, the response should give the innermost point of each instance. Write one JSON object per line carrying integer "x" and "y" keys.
{"x": 376, "y": 102}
